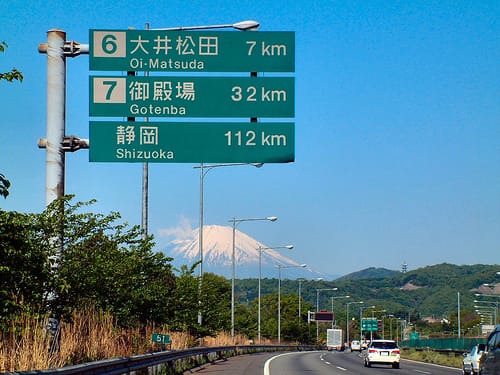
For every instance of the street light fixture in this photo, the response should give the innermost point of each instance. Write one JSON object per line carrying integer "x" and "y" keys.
{"x": 280, "y": 267}
{"x": 361, "y": 321}
{"x": 204, "y": 169}
{"x": 235, "y": 222}
{"x": 317, "y": 306}
{"x": 373, "y": 317}
{"x": 332, "y": 298}
{"x": 261, "y": 249}
{"x": 347, "y": 317}
{"x": 300, "y": 280}
{"x": 486, "y": 304}
{"x": 242, "y": 26}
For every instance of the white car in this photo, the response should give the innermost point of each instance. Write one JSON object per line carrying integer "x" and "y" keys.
{"x": 355, "y": 346}
{"x": 470, "y": 364}
{"x": 382, "y": 352}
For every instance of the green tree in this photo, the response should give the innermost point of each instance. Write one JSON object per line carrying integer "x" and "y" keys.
{"x": 213, "y": 303}
{"x": 24, "y": 266}
{"x": 13, "y": 74}
{"x": 4, "y": 186}
{"x": 109, "y": 265}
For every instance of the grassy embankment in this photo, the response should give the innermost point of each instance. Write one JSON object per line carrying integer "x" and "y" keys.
{"x": 90, "y": 336}
{"x": 429, "y": 356}
{"x": 93, "y": 336}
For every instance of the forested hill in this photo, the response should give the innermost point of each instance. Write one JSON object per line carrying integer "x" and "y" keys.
{"x": 428, "y": 291}
{"x": 369, "y": 273}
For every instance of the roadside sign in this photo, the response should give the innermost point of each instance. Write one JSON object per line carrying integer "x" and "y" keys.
{"x": 324, "y": 316}
{"x": 185, "y": 142}
{"x": 192, "y": 51}
{"x": 160, "y": 338}
{"x": 369, "y": 324}
{"x": 161, "y": 96}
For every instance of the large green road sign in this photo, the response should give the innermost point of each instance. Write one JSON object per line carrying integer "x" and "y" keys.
{"x": 183, "y": 142}
{"x": 161, "y": 96}
{"x": 369, "y": 324}
{"x": 192, "y": 51}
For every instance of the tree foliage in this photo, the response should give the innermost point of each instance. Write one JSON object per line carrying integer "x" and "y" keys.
{"x": 86, "y": 259}
{"x": 4, "y": 186}
{"x": 24, "y": 265}
{"x": 13, "y": 74}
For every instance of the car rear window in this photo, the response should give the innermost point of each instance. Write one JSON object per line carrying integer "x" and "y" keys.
{"x": 384, "y": 345}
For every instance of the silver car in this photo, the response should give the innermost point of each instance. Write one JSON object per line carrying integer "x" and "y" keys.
{"x": 470, "y": 363}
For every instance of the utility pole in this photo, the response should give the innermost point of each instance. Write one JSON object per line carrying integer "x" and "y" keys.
{"x": 57, "y": 144}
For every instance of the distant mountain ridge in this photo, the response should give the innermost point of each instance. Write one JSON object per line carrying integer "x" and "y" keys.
{"x": 369, "y": 273}
{"x": 430, "y": 291}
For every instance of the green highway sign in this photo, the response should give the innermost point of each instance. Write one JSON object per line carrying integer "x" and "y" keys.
{"x": 160, "y": 338}
{"x": 160, "y": 96}
{"x": 186, "y": 142}
{"x": 369, "y": 324}
{"x": 192, "y": 51}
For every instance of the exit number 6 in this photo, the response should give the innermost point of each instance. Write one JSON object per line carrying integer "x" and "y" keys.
{"x": 109, "y": 44}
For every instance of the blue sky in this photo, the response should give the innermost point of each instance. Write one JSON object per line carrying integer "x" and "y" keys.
{"x": 397, "y": 113}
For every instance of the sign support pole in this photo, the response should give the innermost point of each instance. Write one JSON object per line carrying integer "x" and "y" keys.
{"x": 56, "y": 144}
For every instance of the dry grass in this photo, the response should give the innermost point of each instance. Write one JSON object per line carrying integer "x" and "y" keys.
{"x": 89, "y": 336}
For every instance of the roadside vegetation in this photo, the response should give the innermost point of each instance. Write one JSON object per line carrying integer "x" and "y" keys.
{"x": 429, "y": 356}
{"x": 110, "y": 291}
{"x": 89, "y": 336}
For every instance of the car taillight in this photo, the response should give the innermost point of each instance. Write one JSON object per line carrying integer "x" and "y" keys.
{"x": 372, "y": 351}
{"x": 396, "y": 351}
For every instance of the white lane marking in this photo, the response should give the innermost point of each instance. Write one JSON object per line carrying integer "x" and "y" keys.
{"x": 430, "y": 364}
{"x": 341, "y": 368}
{"x": 328, "y": 363}
{"x": 268, "y": 362}
{"x": 422, "y": 372}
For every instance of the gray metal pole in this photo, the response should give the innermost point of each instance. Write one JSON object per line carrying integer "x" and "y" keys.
{"x": 200, "y": 243}
{"x": 233, "y": 272}
{"x": 55, "y": 158}
{"x": 56, "y": 115}
{"x": 260, "y": 277}
{"x": 145, "y": 185}
{"x": 279, "y": 304}
{"x": 458, "y": 312}
{"x": 347, "y": 324}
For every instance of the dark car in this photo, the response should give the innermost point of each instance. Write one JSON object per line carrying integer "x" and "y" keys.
{"x": 490, "y": 363}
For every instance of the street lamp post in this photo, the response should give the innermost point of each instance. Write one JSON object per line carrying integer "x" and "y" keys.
{"x": 204, "y": 169}
{"x": 235, "y": 222}
{"x": 300, "y": 280}
{"x": 280, "y": 267}
{"x": 486, "y": 305}
{"x": 373, "y": 317}
{"x": 361, "y": 321}
{"x": 317, "y": 307}
{"x": 347, "y": 318}
{"x": 332, "y": 298}
{"x": 261, "y": 249}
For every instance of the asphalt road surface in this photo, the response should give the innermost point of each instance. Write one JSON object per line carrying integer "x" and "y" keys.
{"x": 317, "y": 363}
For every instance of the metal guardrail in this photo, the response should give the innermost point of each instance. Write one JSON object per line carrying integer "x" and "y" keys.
{"x": 166, "y": 362}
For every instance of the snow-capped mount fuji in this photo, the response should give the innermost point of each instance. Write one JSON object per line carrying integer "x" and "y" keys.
{"x": 217, "y": 254}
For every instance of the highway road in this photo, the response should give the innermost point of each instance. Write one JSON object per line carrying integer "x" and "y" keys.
{"x": 317, "y": 363}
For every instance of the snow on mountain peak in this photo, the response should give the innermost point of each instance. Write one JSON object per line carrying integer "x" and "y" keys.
{"x": 218, "y": 248}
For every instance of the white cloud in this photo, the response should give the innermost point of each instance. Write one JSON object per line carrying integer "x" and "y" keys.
{"x": 182, "y": 231}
